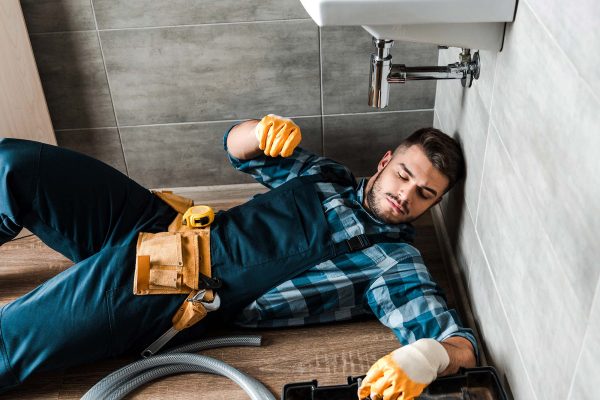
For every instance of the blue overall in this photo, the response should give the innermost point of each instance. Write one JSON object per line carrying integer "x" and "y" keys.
{"x": 92, "y": 214}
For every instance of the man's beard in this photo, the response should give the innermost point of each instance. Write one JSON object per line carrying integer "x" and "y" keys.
{"x": 374, "y": 207}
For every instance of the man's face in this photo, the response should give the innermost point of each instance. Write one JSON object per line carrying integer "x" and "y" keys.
{"x": 404, "y": 187}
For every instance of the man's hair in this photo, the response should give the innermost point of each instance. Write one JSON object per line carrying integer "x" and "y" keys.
{"x": 443, "y": 151}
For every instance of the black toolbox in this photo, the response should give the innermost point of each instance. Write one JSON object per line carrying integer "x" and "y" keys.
{"x": 479, "y": 383}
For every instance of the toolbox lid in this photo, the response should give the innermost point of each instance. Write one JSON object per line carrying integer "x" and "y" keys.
{"x": 480, "y": 383}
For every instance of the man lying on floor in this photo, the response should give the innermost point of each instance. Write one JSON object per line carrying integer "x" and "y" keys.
{"x": 318, "y": 247}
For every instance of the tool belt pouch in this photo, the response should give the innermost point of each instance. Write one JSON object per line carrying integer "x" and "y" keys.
{"x": 170, "y": 262}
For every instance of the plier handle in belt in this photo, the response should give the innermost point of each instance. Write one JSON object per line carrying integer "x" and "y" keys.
{"x": 193, "y": 309}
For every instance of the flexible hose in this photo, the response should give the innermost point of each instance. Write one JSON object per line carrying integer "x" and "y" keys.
{"x": 120, "y": 390}
{"x": 158, "y": 372}
{"x": 221, "y": 341}
{"x": 120, "y": 376}
{"x": 123, "y": 381}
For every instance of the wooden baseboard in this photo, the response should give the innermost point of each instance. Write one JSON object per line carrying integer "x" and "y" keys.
{"x": 456, "y": 278}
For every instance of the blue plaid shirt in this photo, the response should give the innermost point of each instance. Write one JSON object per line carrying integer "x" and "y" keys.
{"x": 388, "y": 280}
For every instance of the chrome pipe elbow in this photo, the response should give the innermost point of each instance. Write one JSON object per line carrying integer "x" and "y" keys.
{"x": 381, "y": 66}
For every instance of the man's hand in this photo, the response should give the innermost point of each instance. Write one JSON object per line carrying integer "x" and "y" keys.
{"x": 277, "y": 135}
{"x": 405, "y": 372}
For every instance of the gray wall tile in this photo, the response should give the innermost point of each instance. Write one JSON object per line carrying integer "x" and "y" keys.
{"x": 359, "y": 141}
{"x": 142, "y": 13}
{"x": 530, "y": 278}
{"x": 58, "y": 15}
{"x": 550, "y": 128}
{"x": 192, "y": 154}
{"x": 575, "y": 29}
{"x": 585, "y": 383}
{"x": 103, "y": 144}
{"x": 74, "y": 79}
{"x": 214, "y": 72}
{"x": 345, "y": 53}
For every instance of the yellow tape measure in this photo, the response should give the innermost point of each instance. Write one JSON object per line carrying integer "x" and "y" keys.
{"x": 198, "y": 216}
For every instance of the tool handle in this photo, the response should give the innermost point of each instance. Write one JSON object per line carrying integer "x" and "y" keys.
{"x": 160, "y": 342}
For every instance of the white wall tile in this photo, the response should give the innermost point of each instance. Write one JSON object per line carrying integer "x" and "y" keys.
{"x": 491, "y": 318}
{"x": 483, "y": 86}
{"x": 464, "y": 115}
{"x": 585, "y": 384}
{"x": 538, "y": 211}
{"x": 574, "y": 26}
{"x": 549, "y": 121}
{"x": 543, "y": 312}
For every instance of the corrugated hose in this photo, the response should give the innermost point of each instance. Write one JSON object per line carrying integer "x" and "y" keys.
{"x": 179, "y": 360}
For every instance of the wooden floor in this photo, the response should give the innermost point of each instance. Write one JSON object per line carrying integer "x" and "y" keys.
{"x": 328, "y": 353}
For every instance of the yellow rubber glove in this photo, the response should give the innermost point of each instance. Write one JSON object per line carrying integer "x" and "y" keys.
{"x": 277, "y": 136}
{"x": 405, "y": 372}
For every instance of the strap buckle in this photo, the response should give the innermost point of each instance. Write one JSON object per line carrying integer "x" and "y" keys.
{"x": 358, "y": 242}
{"x": 205, "y": 282}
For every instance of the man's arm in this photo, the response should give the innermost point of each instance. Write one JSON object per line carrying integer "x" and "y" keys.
{"x": 242, "y": 142}
{"x": 406, "y": 299}
{"x": 410, "y": 368}
{"x": 461, "y": 354}
{"x": 267, "y": 150}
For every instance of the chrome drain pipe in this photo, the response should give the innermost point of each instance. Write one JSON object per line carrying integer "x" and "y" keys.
{"x": 383, "y": 72}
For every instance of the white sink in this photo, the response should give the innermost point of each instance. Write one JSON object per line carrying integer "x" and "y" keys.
{"x": 462, "y": 23}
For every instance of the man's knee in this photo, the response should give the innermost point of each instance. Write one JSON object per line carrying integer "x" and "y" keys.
{"x": 18, "y": 169}
{"x": 9, "y": 229}
{"x": 17, "y": 153}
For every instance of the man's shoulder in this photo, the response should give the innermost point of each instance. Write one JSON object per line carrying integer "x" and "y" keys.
{"x": 401, "y": 252}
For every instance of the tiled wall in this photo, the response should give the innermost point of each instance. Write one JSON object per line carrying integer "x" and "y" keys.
{"x": 525, "y": 224}
{"x": 150, "y": 87}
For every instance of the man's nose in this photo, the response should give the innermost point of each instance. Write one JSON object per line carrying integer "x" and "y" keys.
{"x": 407, "y": 194}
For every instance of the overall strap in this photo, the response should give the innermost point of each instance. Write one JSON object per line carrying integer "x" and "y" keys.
{"x": 328, "y": 176}
{"x": 363, "y": 241}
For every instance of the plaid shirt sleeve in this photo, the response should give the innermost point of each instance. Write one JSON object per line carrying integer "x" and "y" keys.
{"x": 406, "y": 299}
{"x": 274, "y": 171}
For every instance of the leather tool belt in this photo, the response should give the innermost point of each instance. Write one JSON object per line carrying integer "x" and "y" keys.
{"x": 176, "y": 262}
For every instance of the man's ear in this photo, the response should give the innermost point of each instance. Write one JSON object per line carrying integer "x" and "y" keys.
{"x": 384, "y": 160}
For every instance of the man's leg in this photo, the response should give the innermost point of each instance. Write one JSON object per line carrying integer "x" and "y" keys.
{"x": 84, "y": 314}
{"x": 92, "y": 214}
{"x": 75, "y": 204}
